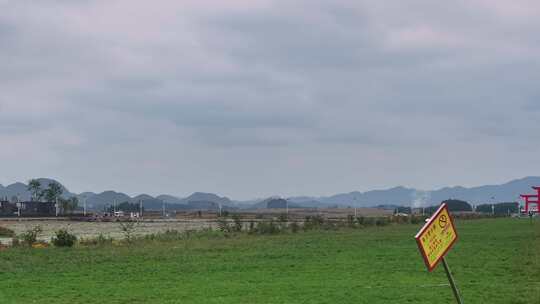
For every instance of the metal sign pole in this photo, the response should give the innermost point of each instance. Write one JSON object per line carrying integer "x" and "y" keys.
{"x": 452, "y": 283}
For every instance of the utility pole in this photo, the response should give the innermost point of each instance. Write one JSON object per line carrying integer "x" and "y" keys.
{"x": 18, "y": 205}
{"x": 140, "y": 209}
{"x": 355, "y": 212}
{"x": 84, "y": 204}
{"x": 163, "y": 208}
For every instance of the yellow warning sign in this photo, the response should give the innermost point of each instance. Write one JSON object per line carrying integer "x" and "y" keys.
{"x": 436, "y": 237}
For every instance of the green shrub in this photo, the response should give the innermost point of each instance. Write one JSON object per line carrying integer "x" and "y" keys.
{"x": 237, "y": 226}
{"x": 267, "y": 228}
{"x": 128, "y": 229}
{"x": 5, "y": 232}
{"x": 102, "y": 239}
{"x": 29, "y": 237}
{"x": 295, "y": 227}
{"x": 313, "y": 222}
{"x": 350, "y": 221}
{"x": 64, "y": 239}
{"x": 223, "y": 225}
{"x": 251, "y": 228}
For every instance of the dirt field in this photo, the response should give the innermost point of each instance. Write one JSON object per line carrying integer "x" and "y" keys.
{"x": 93, "y": 229}
{"x": 180, "y": 222}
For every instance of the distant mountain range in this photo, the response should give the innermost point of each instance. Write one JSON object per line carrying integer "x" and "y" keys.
{"x": 508, "y": 192}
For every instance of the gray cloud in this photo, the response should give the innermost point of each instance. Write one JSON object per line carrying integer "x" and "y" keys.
{"x": 252, "y": 98}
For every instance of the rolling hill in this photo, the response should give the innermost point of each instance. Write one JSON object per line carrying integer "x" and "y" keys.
{"x": 403, "y": 196}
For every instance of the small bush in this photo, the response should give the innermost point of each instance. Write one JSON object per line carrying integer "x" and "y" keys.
{"x": 5, "y": 232}
{"x": 295, "y": 227}
{"x": 283, "y": 220}
{"x": 350, "y": 221}
{"x": 237, "y": 227}
{"x": 102, "y": 239}
{"x": 313, "y": 222}
{"x": 267, "y": 228}
{"x": 64, "y": 239}
{"x": 29, "y": 237}
{"x": 128, "y": 229}
{"x": 223, "y": 225}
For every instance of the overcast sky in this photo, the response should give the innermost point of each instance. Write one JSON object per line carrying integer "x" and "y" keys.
{"x": 255, "y": 98}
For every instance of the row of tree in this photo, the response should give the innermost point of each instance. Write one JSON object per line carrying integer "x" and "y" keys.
{"x": 455, "y": 205}
{"x": 50, "y": 194}
{"x": 53, "y": 193}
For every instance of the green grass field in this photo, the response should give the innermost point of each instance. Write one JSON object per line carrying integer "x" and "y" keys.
{"x": 494, "y": 261}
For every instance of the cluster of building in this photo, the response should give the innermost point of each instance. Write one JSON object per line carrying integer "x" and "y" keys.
{"x": 29, "y": 208}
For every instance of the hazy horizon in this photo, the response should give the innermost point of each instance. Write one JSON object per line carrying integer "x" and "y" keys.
{"x": 314, "y": 195}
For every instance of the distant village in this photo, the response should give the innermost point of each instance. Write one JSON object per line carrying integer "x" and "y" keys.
{"x": 47, "y": 198}
{"x": 45, "y": 201}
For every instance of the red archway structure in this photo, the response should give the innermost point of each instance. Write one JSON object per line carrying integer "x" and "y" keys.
{"x": 532, "y": 201}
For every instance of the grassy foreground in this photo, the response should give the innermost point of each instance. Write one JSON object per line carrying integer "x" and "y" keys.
{"x": 494, "y": 261}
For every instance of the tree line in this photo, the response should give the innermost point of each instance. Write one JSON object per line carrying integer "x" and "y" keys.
{"x": 455, "y": 205}
{"x": 53, "y": 193}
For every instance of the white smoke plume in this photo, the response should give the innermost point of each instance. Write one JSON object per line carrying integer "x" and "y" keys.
{"x": 420, "y": 198}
